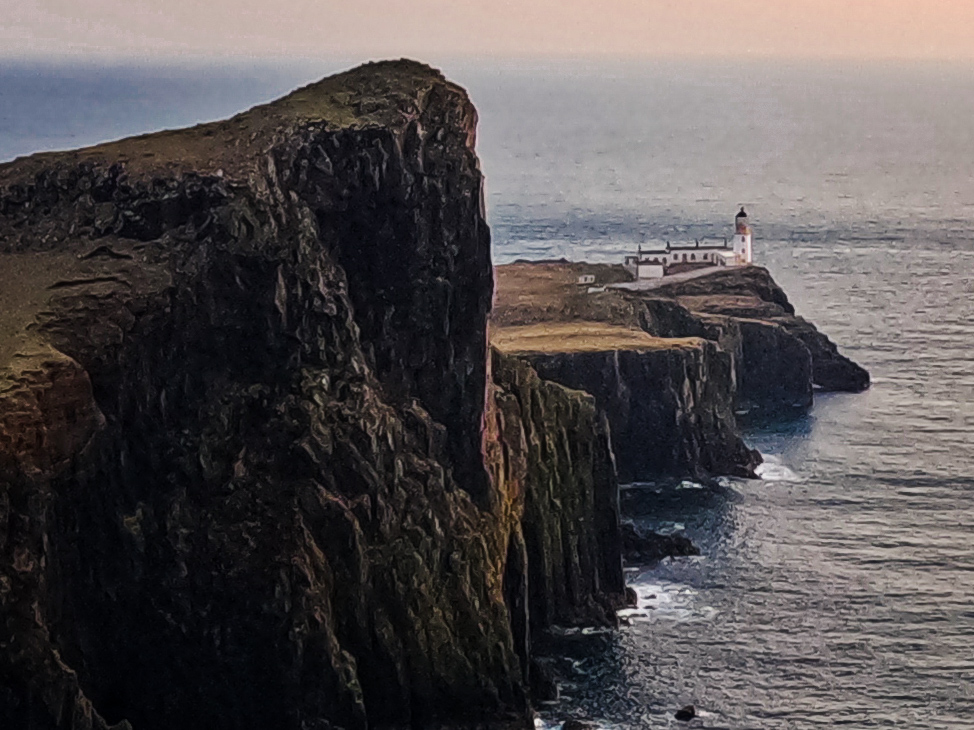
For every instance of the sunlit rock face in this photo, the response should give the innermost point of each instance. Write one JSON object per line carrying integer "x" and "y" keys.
{"x": 553, "y": 447}
{"x": 251, "y": 476}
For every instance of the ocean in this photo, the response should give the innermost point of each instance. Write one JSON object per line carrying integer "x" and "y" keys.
{"x": 839, "y": 589}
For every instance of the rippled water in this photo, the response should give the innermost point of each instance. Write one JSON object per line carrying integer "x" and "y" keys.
{"x": 839, "y": 590}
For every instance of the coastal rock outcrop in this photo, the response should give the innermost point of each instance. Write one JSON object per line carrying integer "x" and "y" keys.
{"x": 551, "y": 445}
{"x": 775, "y": 370}
{"x": 243, "y": 402}
{"x": 750, "y": 294}
{"x": 641, "y": 547}
{"x": 777, "y": 357}
{"x": 669, "y": 403}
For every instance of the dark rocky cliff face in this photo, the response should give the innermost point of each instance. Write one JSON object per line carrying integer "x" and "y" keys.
{"x": 774, "y": 339}
{"x": 555, "y": 449}
{"x": 775, "y": 370}
{"x": 772, "y": 369}
{"x": 670, "y": 410}
{"x": 242, "y": 412}
{"x": 778, "y": 357}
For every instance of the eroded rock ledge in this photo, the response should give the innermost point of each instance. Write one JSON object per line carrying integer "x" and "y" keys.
{"x": 243, "y": 408}
{"x": 774, "y": 339}
{"x": 669, "y": 401}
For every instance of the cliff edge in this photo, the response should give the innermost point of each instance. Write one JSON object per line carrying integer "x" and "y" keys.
{"x": 668, "y": 401}
{"x": 243, "y": 407}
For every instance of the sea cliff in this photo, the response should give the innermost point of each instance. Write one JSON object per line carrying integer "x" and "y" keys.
{"x": 244, "y": 397}
{"x": 259, "y": 465}
{"x": 783, "y": 355}
{"x": 668, "y": 401}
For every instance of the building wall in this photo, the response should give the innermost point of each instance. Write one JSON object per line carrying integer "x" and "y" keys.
{"x": 742, "y": 247}
{"x": 650, "y": 271}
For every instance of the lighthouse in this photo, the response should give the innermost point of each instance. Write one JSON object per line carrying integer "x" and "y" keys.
{"x": 742, "y": 238}
{"x": 691, "y": 258}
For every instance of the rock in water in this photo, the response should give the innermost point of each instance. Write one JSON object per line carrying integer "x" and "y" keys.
{"x": 544, "y": 687}
{"x": 686, "y": 713}
{"x": 645, "y": 547}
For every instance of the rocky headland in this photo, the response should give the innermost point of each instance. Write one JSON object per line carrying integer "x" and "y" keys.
{"x": 255, "y": 469}
{"x": 673, "y": 366}
{"x": 259, "y": 465}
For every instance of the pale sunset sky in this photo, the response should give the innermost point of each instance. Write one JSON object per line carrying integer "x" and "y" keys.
{"x": 430, "y": 29}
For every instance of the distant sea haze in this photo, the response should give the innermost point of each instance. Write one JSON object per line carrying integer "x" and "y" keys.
{"x": 839, "y": 589}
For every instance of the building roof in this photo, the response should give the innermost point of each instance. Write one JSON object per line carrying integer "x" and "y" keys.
{"x": 701, "y": 247}
{"x": 684, "y": 248}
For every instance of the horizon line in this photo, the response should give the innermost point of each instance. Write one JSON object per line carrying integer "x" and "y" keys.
{"x": 159, "y": 57}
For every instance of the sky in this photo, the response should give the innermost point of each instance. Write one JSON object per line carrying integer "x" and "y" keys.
{"x": 432, "y": 29}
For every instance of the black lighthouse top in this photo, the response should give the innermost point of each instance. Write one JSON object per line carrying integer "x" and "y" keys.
{"x": 740, "y": 223}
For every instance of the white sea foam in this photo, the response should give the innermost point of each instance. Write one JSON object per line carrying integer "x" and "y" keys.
{"x": 669, "y": 528}
{"x": 773, "y": 470}
{"x": 666, "y": 602}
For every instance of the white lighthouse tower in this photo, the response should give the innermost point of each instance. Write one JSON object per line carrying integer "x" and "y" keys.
{"x": 742, "y": 239}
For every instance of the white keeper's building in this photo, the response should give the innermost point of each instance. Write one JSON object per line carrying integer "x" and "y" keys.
{"x": 681, "y": 257}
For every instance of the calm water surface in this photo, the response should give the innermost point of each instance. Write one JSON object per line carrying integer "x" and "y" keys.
{"x": 839, "y": 590}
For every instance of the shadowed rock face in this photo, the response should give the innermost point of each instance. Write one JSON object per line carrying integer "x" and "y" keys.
{"x": 775, "y": 368}
{"x": 243, "y": 392}
{"x": 670, "y": 410}
{"x": 669, "y": 401}
{"x": 750, "y": 294}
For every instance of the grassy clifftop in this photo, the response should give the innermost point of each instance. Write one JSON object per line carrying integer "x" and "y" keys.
{"x": 572, "y": 337}
{"x": 387, "y": 94}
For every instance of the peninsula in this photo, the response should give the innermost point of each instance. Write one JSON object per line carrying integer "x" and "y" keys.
{"x": 671, "y": 366}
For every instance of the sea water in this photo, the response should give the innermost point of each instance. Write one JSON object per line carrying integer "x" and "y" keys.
{"x": 839, "y": 589}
